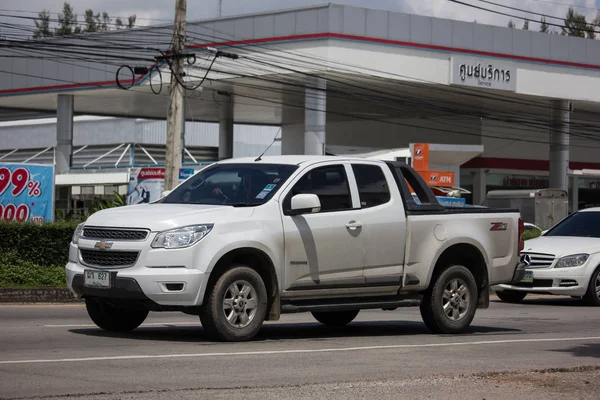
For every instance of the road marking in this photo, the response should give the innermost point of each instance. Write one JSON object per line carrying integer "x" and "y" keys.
{"x": 276, "y": 352}
{"x": 141, "y": 326}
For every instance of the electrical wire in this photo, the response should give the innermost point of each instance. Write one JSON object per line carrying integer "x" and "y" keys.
{"x": 545, "y": 105}
{"x": 530, "y": 12}
{"x": 519, "y": 17}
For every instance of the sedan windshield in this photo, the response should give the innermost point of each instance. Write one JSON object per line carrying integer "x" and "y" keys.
{"x": 581, "y": 224}
{"x": 232, "y": 184}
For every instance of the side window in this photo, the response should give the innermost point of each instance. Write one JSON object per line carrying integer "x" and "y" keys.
{"x": 329, "y": 183}
{"x": 372, "y": 185}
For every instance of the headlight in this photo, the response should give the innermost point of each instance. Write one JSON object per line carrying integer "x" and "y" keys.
{"x": 576, "y": 260}
{"x": 181, "y": 237}
{"x": 78, "y": 232}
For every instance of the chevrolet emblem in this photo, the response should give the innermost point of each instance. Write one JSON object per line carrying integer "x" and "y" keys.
{"x": 103, "y": 245}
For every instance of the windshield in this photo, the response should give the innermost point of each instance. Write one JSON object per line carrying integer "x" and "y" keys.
{"x": 232, "y": 184}
{"x": 582, "y": 224}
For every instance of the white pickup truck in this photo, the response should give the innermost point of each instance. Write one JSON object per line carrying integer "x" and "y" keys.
{"x": 244, "y": 240}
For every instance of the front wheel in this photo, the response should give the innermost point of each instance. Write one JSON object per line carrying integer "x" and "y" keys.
{"x": 450, "y": 303}
{"x": 335, "y": 318}
{"x": 236, "y": 306}
{"x": 111, "y": 316}
{"x": 511, "y": 296}
{"x": 592, "y": 296}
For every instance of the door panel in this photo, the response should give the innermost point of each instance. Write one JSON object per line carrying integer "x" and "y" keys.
{"x": 325, "y": 249}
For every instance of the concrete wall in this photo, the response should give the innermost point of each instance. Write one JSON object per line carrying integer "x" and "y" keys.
{"x": 401, "y": 132}
{"x": 515, "y": 146}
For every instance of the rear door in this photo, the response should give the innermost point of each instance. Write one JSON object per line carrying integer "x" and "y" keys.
{"x": 384, "y": 223}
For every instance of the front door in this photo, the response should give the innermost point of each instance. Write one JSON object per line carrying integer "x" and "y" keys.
{"x": 325, "y": 249}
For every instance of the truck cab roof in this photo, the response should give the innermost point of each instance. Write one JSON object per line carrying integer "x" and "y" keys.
{"x": 293, "y": 159}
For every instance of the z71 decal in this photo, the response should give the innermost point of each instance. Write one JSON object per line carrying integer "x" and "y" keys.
{"x": 499, "y": 226}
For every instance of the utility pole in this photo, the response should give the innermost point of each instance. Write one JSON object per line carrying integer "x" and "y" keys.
{"x": 176, "y": 114}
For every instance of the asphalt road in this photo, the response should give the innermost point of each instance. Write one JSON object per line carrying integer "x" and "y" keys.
{"x": 55, "y": 351}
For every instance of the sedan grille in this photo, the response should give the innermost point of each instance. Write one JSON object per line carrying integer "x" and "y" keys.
{"x": 115, "y": 234}
{"x": 107, "y": 259}
{"x": 539, "y": 260}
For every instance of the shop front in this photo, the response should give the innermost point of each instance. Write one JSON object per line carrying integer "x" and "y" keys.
{"x": 586, "y": 183}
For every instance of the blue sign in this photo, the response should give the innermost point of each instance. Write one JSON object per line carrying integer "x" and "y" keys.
{"x": 27, "y": 193}
{"x": 452, "y": 202}
{"x": 185, "y": 173}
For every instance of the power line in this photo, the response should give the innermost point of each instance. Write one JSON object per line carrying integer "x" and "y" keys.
{"x": 114, "y": 16}
{"x": 532, "y": 12}
{"x": 567, "y": 5}
{"x": 519, "y": 17}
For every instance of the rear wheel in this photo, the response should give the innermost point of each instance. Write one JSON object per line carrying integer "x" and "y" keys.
{"x": 511, "y": 296}
{"x": 335, "y": 318}
{"x": 450, "y": 303}
{"x": 592, "y": 296}
{"x": 111, "y": 316}
{"x": 236, "y": 306}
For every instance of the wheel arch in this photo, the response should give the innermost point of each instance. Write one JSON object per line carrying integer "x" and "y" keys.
{"x": 259, "y": 261}
{"x": 471, "y": 257}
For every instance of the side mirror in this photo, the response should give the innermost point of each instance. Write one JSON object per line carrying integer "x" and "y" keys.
{"x": 165, "y": 193}
{"x": 305, "y": 204}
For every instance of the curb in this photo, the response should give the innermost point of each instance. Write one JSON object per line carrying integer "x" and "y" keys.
{"x": 37, "y": 295}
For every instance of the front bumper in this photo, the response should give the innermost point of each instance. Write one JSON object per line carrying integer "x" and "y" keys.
{"x": 164, "y": 286}
{"x": 562, "y": 281}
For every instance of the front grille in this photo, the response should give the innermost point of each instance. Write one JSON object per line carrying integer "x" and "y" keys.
{"x": 539, "y": 260}
{"x": 115, "y": 234}
{"x": 103, "y": 258}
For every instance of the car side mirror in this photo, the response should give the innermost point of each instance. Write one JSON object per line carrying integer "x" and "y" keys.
{"x": 165, "y": 193}
{"x": 305, "y": 204}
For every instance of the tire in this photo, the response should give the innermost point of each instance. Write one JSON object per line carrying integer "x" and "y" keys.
{"x": 511, "y": 296}
{"x": 239, "y": 291}
{"x": 335, "y": 318}
{"x": 592, "y": 296}
{"x": 456, "y": 279}
{"x": 108, "y": 315}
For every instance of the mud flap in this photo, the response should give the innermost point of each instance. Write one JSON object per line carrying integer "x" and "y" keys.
{"x": 484, "y": 297}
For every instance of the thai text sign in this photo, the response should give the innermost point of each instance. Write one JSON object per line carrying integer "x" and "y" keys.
{"x": 488, "y": 74}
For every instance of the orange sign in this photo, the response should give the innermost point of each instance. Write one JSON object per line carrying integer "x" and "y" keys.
{"x": 438, "y": 178}
{"x": 421, "y": 157}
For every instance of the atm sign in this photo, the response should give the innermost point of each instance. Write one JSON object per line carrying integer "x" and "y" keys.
{"x": 438, "y": 178}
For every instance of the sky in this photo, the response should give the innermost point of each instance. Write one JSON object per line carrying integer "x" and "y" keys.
{"x": 151, "y": 12}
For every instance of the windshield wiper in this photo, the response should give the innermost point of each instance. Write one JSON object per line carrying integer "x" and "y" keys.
{"x": 242, "y": 204}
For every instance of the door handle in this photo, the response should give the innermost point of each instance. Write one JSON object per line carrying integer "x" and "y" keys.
{"x": 353, "y": 225}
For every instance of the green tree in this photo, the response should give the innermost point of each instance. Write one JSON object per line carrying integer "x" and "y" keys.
{"x": 90, "y": 21}
{"x": 67, "y": 21}
{"x": 526, "y": 25}
{"x": 131, "y": 21}
{"x": 576, "y": 25}
{"x": 42, "y": 25}
{"x": 511, "y": 24}
{"x": 119, "y": 23}
{"x": 544, "y": 27}
{"x": 105, "y": 22}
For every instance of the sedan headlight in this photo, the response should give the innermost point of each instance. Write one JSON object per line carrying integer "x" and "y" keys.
{"x": 78, "y": 232}
{"x": 181, "y": 237}
{"x": 576, "y": 260}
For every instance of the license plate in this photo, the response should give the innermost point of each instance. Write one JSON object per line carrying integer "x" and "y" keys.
{"x": 96, "y": 279}
{"x": 528, "y": 277}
